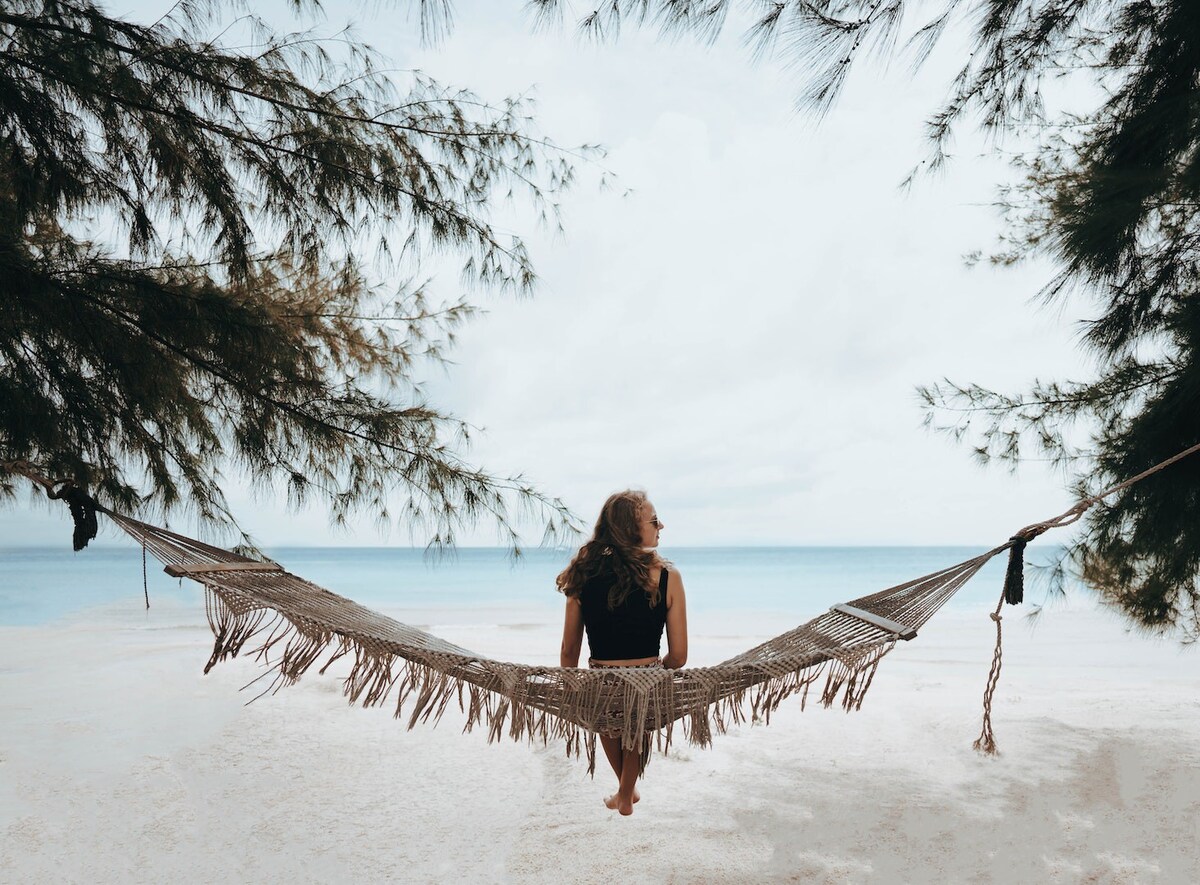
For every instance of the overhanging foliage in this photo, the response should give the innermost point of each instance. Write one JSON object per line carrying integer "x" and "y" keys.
{"x": 229, "y": 321}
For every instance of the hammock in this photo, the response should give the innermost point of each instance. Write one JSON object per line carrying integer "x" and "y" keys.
{"x": 295, "y": 623}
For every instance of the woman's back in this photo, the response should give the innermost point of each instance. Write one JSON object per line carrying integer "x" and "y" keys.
{"x": 631, "y": 629}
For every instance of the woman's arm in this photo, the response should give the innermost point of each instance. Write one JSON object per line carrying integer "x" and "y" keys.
{"x": 677, "y": 642}
{"x": 572, "y": 641}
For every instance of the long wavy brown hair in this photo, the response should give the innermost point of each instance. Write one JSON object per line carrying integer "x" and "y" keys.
{"x": 615, "y": 549}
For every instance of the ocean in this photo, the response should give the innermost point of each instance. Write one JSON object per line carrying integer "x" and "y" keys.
{"x": 480, "y": 586}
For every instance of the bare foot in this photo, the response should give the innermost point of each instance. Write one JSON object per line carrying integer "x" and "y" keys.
{"x": 612, "y": 803}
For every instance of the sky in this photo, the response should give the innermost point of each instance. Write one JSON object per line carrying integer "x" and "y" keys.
{"x": 739, "y": 323}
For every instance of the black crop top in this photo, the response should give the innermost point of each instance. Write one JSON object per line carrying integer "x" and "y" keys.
{"x": 632, "y": 630}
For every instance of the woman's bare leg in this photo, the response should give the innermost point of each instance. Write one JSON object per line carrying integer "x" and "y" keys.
{"x": 612, "y": 749}
{"x": 616, "y": 758}
{"x": 631, "y": 764}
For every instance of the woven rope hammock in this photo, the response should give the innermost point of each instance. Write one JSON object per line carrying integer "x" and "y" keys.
{"x": 294, "y": 624}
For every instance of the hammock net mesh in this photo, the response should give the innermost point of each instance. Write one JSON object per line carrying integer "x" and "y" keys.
{"x": 291, "y": 625}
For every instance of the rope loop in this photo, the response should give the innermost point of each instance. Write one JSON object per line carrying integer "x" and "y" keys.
{"x": 1027, "y": 534}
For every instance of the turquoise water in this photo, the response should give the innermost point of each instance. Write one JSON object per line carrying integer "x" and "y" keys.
{"x": 40, "y": 585}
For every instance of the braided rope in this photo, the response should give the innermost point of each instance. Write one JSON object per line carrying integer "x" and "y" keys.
{"x": 1075, "y": 513}
{"x": 986, "y": 742}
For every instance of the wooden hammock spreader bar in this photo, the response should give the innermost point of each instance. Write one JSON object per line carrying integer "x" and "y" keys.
{"x": 201, "y": 568}
{"x": 901, "y": 630}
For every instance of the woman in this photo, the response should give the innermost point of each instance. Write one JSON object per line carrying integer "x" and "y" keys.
{"x": 623, "y": 594}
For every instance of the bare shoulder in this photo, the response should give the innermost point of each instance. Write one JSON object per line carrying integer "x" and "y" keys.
{"x": 673, "y": 576}
{"x": 674, "y": 585}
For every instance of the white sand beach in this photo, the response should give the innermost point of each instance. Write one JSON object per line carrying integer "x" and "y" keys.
{"x": 120, "y": 762}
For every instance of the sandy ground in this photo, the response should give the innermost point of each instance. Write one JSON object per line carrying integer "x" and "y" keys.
{"x": 120, "y": 762}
